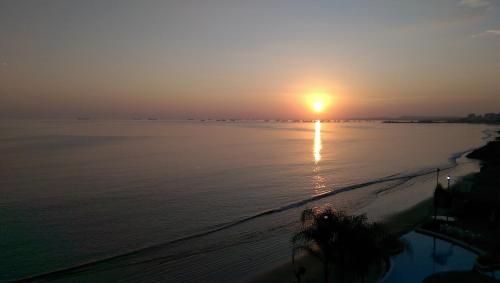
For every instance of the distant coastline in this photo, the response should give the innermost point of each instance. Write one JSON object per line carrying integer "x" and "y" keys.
{"x": 488, "y": 118}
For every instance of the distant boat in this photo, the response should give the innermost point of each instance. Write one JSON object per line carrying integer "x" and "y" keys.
{"x": 152, "y": 119}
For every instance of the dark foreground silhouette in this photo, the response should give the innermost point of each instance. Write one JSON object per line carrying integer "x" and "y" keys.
{"x": 349, "y": 247}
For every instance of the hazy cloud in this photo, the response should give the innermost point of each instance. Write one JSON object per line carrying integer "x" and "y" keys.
{"x": 490, "y": 32}
{"x": 476, "y": 3}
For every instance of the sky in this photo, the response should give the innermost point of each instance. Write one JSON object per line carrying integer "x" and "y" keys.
{"x": 248, "y": 59}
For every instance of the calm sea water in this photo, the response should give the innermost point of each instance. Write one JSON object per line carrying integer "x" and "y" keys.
{"x": 186, "y": 201}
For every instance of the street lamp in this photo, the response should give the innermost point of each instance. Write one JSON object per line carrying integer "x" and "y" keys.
{"x": 448, "y": 178}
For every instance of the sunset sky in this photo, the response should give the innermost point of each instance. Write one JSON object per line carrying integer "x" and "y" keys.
{"x": 248, "y": 59}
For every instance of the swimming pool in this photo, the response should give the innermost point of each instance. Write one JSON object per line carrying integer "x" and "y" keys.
{"x": 426, "y": 256}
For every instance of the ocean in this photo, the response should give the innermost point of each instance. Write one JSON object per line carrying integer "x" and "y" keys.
{"x": 193, "y": 201}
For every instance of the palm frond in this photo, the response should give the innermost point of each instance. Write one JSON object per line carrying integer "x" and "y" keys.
{"x": 347, "y": 241}
{"x": 305, "y": 235}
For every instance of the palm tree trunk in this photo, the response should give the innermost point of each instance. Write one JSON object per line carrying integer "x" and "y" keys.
{"x": 325, "y": 270}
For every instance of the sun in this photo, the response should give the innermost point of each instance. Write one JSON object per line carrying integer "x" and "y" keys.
{"x": 318, "y": 106}
{"x": 318, "y": 102}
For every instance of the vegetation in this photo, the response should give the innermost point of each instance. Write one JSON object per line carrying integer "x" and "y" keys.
{"x": 347, "y": 245}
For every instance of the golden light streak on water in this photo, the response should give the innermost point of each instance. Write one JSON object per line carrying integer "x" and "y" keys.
{"x": 317, "y": 142}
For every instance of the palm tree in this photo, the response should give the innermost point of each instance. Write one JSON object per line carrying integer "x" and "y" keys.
{"x": 318, "y": 236}
{"x": 348, "y": 243}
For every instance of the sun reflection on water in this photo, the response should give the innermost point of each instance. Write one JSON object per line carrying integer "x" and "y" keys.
{"x": 317, "y": 142}
{"x": 318, "y": 181}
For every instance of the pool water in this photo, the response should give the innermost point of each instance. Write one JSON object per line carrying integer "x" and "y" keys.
{"x": 427, "y": 255}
